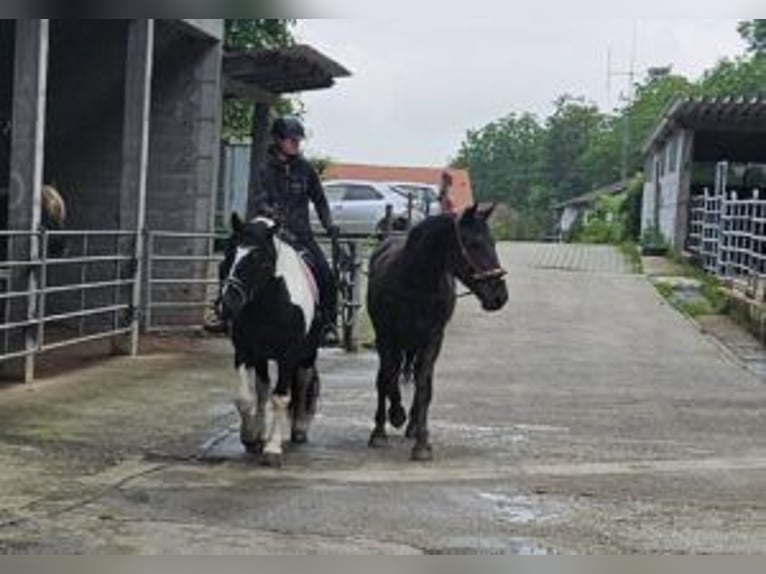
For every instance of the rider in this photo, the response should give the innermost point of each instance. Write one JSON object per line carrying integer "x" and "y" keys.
{"x": 286, "y": 185}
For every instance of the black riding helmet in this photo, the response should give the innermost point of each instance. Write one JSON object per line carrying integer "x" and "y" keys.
{"x": 288, "y": 128}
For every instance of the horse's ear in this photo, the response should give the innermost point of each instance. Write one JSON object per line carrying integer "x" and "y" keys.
{"x": 487, "y": 212}
{"x": 470, "y": 213}
{"x": 236, "y": 223}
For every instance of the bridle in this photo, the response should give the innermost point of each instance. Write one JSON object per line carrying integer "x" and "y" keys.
{"x": 239, "y": 286}
{"x": 479, "y": 274}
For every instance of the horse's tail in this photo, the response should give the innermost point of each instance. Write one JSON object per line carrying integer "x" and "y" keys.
{"x": 54, "y": 204}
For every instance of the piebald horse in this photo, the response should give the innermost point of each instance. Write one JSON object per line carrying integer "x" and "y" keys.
{"x": 270, "y": 298}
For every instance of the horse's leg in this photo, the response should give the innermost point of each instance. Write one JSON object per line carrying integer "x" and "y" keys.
{"x": 411, "y": 422}
{"x": 262, "y": 388}
{"x": 424, "y": 376}
{"x": 388, "y": 375}
{"x": 397, "y": 416}
{"x": 277, "y": 415}
{"x": 246, "y": 406}
{"x": 300, "y": 405}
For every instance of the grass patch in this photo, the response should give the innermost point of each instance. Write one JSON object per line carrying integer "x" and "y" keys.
{"x": 632, "y": 253}
{"x": 713, "y": 299}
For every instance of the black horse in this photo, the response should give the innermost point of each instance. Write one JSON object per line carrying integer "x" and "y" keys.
{"x": 411, "y": 298}
{"x": 269, "y": 297}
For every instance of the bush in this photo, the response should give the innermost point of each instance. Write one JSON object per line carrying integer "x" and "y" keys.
{"x": 606, "y": 223}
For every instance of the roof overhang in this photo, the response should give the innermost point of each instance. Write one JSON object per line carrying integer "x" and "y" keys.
{"x": 264, "y": 75}
{"x": 733, "y": 115}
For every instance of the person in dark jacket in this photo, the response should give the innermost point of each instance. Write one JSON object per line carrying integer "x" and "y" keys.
{"x": 286, "y": 185}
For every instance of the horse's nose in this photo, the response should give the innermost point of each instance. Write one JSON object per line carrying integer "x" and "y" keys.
{"x": 233, "y": 300}
{"x": 498, "y": 298}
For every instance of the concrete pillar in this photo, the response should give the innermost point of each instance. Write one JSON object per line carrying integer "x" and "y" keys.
{"x": 26, "y": 177}
{"x": 135, "y": 158}
{"x": 259, "y": 135}
{"x": 685, "y": 163}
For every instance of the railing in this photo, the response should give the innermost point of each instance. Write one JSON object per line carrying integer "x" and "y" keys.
{"x": 182, "y": 280}
{"x": 54, "y": 300}
{"x": 728, "y": 233}
{"x": 96, "y": 289}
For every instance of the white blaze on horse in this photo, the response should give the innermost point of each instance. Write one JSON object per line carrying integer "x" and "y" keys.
{"x": 270, "y": 297}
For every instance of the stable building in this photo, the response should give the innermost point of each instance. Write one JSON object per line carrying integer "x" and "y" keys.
{"x": 123, "y": 118}
{"x": 701, "y": 150}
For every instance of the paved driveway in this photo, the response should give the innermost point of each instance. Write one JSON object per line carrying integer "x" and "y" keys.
{"x": 587, "y": 416}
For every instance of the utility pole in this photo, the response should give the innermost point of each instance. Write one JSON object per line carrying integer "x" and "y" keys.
{"x": 630, "y": 74}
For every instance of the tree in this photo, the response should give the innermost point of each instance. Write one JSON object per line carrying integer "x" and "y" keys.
{"x": 570, "y": 132}
{"x": 245, "y": 34}
{"x": 503, "y": 158}
{"x": 754, "y": 33}
{"x": 533, "y": 165}
{"x": 742, "y": 77}
{"x": 659, "y": 90}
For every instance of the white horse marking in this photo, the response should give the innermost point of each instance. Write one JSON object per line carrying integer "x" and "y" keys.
{"x": 242, "y": 252}
{"x": 277, "y": 420}
{"x": 246, "y": 398}
{"x": 270, "y": 223}
{"x": 290, "y": 268}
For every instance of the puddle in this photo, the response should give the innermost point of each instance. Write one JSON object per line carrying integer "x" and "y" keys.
{"x": 513, "y": 509}
{"x": 491, "y": 545}
{"x": 520, "y": 509}
{"x": 757, "y": 367}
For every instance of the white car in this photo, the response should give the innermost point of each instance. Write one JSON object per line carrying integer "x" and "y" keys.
{"x": 359, "y": 207}
{"x": 425, "y": 195}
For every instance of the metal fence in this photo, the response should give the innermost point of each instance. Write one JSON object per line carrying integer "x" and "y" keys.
{"x": 61, "y": 288}
{"x": 727, "y": 230}
{"x": 181, "y": 279}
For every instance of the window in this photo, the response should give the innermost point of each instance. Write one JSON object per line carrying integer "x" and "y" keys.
{"x": 361, "y": 193}
{"x": 672, "y": 161}
{"x": 334, "y": 192}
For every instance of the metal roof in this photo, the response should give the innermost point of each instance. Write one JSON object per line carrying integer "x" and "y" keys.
{"x": 730, "y": 114}
{"x": 592, "y": 196}
{"x": 265, "y": 74}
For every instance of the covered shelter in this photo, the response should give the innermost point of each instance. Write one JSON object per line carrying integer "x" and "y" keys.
{"x": 261, "y": 77}
{"x": 683, "y": 155}
{"x": 122, "y": 116}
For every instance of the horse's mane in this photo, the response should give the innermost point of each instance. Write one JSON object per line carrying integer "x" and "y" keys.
{"x": 53, "y": 203}
{"x": 430, "y": 239}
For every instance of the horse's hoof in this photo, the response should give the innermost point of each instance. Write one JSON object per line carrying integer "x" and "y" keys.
{"x": 253, "y": 447}
{"x": 272, "y": 460}
{"x": 397, "y": 416}
{"x": 299, "y": 437}
{"x": 422, "y": 453}
{"x": 378, "y": 440}
{"x": 411, "y": 431}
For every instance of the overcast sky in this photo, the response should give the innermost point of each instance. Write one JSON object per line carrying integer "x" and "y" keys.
{"x": 418, "y": 84}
